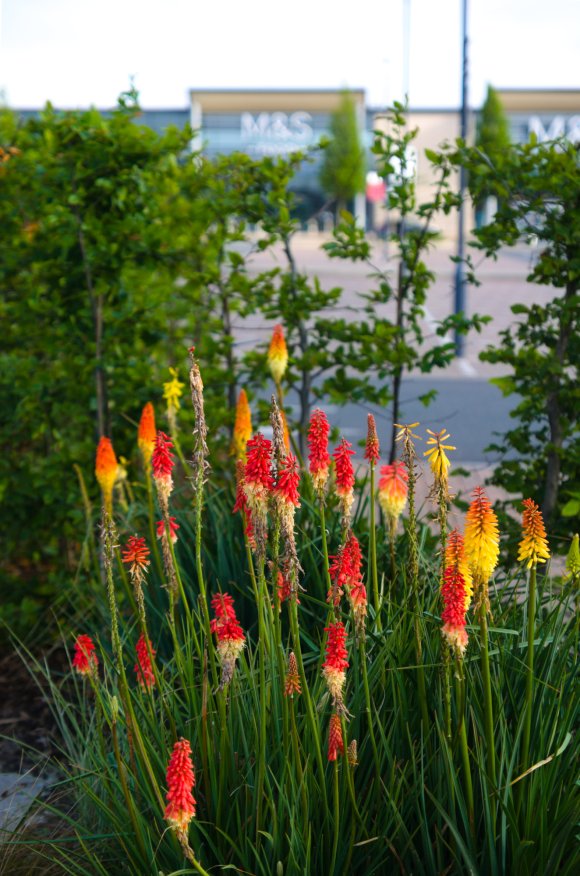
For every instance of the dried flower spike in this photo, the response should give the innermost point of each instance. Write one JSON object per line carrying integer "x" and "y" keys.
{"x": 106, "y": 467}
{"x": 292, "y": 683}
{"x": 242, "y": 426}
{"x": 143, "y": 667}
{"x": 278, "y": 354}
{"x": 147, "y": 434}
{"x": 85, "y": 661}
{"x": 534, "y": 545}
{"x": 318, "y": 455}
{"x": 372, "y": 448}
{"x": 352, "y": 753}
{"x": 180, "y": 783}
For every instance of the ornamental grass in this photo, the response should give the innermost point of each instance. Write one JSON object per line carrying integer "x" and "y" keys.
{"x": 426, "y": 730}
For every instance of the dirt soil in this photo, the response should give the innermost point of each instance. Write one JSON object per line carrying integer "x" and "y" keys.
{"x": 25, "y": 717}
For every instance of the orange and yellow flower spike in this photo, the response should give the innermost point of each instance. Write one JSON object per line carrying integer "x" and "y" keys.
{"x": 456, "y": 559}
{"x": 106, "y": 467}
{"x": 278, "y": 355}
{"x": 481, "y": 539}
{"x": 436, "y": 454}
{"x": 147, "y": 434}
{"x": 534, "y": 545}
{"x": 242, "y": 426}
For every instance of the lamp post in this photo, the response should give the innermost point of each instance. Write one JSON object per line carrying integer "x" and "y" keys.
{"x": 459, "y": 271}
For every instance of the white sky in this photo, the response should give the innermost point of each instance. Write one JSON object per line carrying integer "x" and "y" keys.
{"x": 81, "y": 52}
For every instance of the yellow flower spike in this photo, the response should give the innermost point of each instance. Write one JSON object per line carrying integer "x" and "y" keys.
{"x": 242, "y": 426}
{"x": 481, "y": 537}
{"x": 533, "y": 546}
{"x": 573, "y": 561}
{"x": 173, "y": 390}
{"x": 437, "y": 457}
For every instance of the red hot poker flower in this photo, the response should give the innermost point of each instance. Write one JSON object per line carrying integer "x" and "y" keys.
{"x": 336, "y": 662}
{"x": 106, "y": 467}
{"x": 143, "y": 667}
{"x": 292, "y": 682}
{"x": 146, "y": 434}
{"x": 335, "y": 738}
{"x": 180, "y": 783}
{"x": 344, "y": 478}
{"x": 534, "y": 545}
{"x": 173, "y": 527}
{"x": 229, "y": 634}
{"x": 318, "y": 456}
{"x": 372, "y": 449}
{"x": 85, "y": 661}
{"x": 258, "y": 484}
{"x": 163, "y": 458}
{"x": 136, "y": 554}
{"x": 393, "y": 490}
{"x": 288, "y": 479}
{"x": 241, "y": 505}
{"x": 453, "y": 615}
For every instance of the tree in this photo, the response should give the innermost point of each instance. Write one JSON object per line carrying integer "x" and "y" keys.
{"x": 493, "y": 133}
{"x": 342, "y": 174}
{"x": 538, "y": 190}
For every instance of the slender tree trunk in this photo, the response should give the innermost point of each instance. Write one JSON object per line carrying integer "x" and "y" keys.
{"x": 97, "y": 307}
{"x": 554, "y": 415}
{"x": 306, "y": 381}
{"x": 229, "y": 354}
{"x": 398, "y": 371}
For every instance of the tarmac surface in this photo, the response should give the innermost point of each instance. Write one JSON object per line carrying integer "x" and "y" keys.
{"x": 474, "y": 411}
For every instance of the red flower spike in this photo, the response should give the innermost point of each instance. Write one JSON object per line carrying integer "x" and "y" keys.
{"x": 230, "y": 636}
{"x": 136, "y": 554}
{"x": 258, "y": 470}
{"x": 288, "y": 480}
{"x": 344, "y": 469}
{"x": 453, "y": 614}
{"x": 335, "y": 738}
{"x": 163, "y": 459}
{"x": 318, "y": 456}
{"x": 372, "y": 449}
{"x": 180, "y": 783}
{"x": 85, "y": 661}
{"x": 173, "y": 527}
{"x": 143, "y": 667}
{"x": 336, "y": 662}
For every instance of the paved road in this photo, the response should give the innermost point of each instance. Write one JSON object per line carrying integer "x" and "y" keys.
{"x": 471, "y": 408}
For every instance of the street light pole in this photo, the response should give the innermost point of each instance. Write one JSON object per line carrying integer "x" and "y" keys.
{"x": 459, "y": 270}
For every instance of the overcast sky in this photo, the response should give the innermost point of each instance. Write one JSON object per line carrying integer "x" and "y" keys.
{"x": 81, "y": 52}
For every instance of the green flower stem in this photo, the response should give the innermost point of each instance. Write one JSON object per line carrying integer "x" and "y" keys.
{"x": 126, "y": 794}
{"x": 363, "y": 663}
{"x": 324, "y": 542}
{"x": 262, "y": 595}
{"x": 490, "y": 742}
{"x": 447, "y": 690}
{"x": 373, "y": 548}
{"x": 530, "y": 669}
{"x": 336, "y": 820}
{"x": 414, "y": 574}
{"x": 462, "y": 731}
{"x": 151, "y": 516}
{"x": 310, "y": 712}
